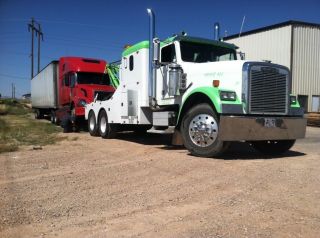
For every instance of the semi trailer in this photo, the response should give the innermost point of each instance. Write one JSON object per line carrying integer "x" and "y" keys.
{"x": 198, "y": 87}
{"x": 64, "y": 87}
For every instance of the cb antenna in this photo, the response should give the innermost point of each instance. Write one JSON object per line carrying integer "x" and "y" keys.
{"x": 243, "y": 19}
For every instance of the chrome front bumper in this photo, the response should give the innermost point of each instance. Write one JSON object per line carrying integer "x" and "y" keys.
{"x": 237, "y": 128}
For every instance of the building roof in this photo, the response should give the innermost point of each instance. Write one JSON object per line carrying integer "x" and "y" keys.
{"x": 271, "y": 27}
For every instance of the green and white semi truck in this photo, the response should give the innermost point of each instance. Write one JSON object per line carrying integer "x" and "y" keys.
{"x": 199, "y": 87}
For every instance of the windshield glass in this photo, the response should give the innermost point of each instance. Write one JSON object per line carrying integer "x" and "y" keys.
{"x": 201, "y": 53}
{"x": 93, "y": 78}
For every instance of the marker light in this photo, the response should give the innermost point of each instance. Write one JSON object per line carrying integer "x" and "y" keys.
{"x": 293, "y": 100}
{"x": 215, "y": 83}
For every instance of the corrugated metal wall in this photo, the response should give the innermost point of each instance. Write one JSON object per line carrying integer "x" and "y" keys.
{"x": 271, "y": 45}
{"x": 275, "y": 45}
{"x": 306, "y": 62}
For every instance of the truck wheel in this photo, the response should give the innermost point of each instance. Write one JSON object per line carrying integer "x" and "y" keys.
{"x": 273, "y": 147}
{"x": 53, "y": 117}
{"x": 200, "y": 132}
{"x": 92, "y": 124}
{"x": 38, "y": 114}
{"x": 106, "y": 130}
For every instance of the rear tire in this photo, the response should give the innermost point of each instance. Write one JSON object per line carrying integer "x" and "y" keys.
{"x": 200, "y": 132}
{"x": 273, "y": 147}
{"x": 92, "y": 124}
{"x": 106, "y": 130}
{"x": 38, "y": 114}
{"x": 53, "y": 117}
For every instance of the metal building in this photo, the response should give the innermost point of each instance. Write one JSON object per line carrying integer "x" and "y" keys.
{"x": 294, "y": 44}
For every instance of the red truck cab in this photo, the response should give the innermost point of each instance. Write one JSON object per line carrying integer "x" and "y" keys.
{"x": 80, "y": 79}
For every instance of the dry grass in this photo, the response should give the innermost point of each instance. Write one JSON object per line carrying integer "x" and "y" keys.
{"x": 17, "y": 128}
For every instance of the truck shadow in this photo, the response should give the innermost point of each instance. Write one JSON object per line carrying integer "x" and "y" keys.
{"x": 146, "y": 138}
{"x": 236, "y": 150}
{"x": 244, "y": 151}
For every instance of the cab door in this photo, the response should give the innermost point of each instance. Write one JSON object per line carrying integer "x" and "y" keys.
{"x": 168, "y": 55}
{"x": 65, "y": 90}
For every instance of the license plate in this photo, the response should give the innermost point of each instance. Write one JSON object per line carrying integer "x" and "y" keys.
{"x": 269, "y": 122}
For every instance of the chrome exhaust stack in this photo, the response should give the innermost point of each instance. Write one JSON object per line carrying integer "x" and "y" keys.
{"x": 216, "y": 32}
{"x": 154, "y": 48}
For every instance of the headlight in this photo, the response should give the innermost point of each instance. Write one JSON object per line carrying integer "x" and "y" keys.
{"x": 82, "y": 103}
{"x": 228, "y": 96}
{"x": 293, "y": 100}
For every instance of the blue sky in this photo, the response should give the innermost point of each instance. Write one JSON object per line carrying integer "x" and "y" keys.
{"x": 100, "y": 29}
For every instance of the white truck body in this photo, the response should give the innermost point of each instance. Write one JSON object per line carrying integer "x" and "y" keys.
{"x": 198, "y": 86}
{"x": 128, "y": 103}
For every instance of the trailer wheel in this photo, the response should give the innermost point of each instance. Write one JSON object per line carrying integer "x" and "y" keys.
{"x": 273, "y": 147}
{"x": 92, "y": 124}
{"x": 38, "y": 114}
{"x": 200, "y": 132}
{"x": 53, "y": 117}
{"x": 106, "y": 130}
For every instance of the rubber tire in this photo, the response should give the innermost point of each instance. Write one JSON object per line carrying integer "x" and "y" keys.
{"x": 94, "y": 131}
{"x": 67, "y": 127}
{"x": 56, "y": 120}
{"x": 273, "y": 147}
{"x": 38, "y": 114}
{"x": 53, "y": 117}
{"x": 110, "y": 131}
{"x": 215, "y": 149}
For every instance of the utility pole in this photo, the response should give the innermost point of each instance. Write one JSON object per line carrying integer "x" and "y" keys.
{"x": 32, "y": 27}
{"x": 40, "y": 34}
{"x": 13, "y": 89}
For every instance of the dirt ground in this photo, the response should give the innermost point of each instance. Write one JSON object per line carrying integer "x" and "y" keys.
{"x": 142, "y": 187}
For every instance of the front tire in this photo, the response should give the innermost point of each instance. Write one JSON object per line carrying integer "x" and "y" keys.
{"x": 92, "y": 124}
{"x": 273, "y": 147}
{"x": 53, "y": 117}
{"x": 200, "y": 132}
{"x": 106, "y": 130}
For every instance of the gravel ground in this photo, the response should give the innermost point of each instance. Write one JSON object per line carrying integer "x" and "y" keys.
{"x": 142, "y": 187}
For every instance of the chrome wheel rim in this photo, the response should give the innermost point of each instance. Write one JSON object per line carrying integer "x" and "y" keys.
{"x": 203, "y": 130}
{"x": 103, "y": 124}
{"x": 92, "y": 123}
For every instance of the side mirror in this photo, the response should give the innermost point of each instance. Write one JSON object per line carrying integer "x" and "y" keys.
{"x": 72, "y": 81}
{"x": 242, "y": 55}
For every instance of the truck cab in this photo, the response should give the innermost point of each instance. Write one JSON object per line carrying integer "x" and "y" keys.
{"x": 80, "y": 80}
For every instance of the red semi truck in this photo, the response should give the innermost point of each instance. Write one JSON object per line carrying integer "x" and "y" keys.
{"x": 64, "y": 87}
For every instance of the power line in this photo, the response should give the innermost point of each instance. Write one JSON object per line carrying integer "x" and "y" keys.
{"x": 79, "y": 24}
{"x": 13, "y": 76}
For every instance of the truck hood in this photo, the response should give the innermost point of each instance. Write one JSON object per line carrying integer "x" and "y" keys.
{"x": 229, "y": 73}
{"x": 96, "y": 87}
{"x": 87, "y": 90}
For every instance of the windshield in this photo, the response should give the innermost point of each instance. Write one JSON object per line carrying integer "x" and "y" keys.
{"x": 201, "y": 53}
{"x": 93, "y": 78}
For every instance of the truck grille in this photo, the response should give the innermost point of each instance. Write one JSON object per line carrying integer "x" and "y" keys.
{"x": 268, "y": 90}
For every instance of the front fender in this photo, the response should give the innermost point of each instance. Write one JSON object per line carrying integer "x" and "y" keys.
{"x": 200, "y": 95}
{"x": 210, "y": 95}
